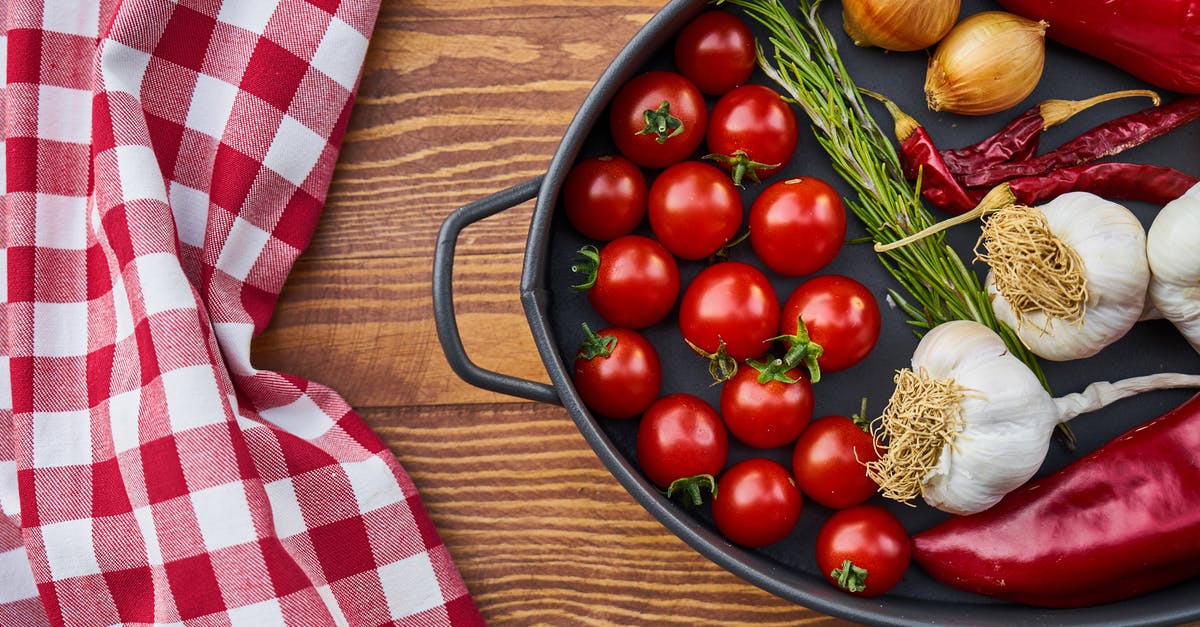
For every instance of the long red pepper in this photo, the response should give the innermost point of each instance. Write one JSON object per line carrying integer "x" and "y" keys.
{"x": 1120, "y": 522}
{"x": 1104, "y": 140}
{"x": 1019, "y": 139}
{"x": 1115, "y": 181}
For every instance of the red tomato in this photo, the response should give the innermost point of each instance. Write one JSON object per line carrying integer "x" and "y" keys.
{"x": 797, "y": 226}
{"x": 752, "y": 131}
{"x": 681, "y": 436}
{"x": 863, "y": 550}
{"x": 605, "y": 197}
{"x": 617, "y": 372}
{"x": 756, "y": 503}
{"x": 715, "y": 51}
{"x": 632, "y": 282}
{"x": 694, "y": 209}
{"x": 829, "y": 462}
{"x": 732, "y": 303}
{"x": 841, "y": 315}
{"x": 658, "y": 118}
{"x": 766, "y": 410}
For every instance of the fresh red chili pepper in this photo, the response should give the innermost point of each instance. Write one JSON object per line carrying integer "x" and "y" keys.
{"x": 1019, "y": 139}
{"x": 1115, "y": 181}
{"x": 1104, "y": 140}
{"x": 1120, "y": 522}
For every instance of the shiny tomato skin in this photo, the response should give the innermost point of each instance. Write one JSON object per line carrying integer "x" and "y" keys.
{"x": 797, "y": 225}
{"x": 637, "y": 282}
{"x": 756, "y": 120}
{"x": 873, "y": 539}
{"x": 715, "y": 51}
{"x": 624, "y": 383}
{"x": 766, "y": 415}
{"x": 756, "y": 503}
{"x": 605, "y": 197}
{"x": 681, "y": 436}
{"x": 840, "y": 314}
{"x": 829, "y": 462}
{"x": 647, "y": 92}
{"x": 730, "y": 301}
{"x": 694, "y": 209}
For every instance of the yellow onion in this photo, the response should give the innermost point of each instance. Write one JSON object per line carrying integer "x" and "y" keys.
{"x": 898, "y": 25}
{"x": 988, "y": 62}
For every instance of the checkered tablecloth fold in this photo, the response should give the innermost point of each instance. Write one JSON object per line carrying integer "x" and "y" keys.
{"x": 164, "y": 164}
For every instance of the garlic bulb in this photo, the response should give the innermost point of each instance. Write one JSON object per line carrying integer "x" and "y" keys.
{"x": 1173, "y": 251}
{"x": 970, "y": 422}
{"x": 1070, "y": 318}
{"x": 987, "y": 63}
{"x": 898, "y": 25}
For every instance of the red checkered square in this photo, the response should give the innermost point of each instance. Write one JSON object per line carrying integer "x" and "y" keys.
{"x": 164, "y": 165}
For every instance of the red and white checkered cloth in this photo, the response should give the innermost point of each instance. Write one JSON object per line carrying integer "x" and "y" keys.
{"x": 164, "y": 165}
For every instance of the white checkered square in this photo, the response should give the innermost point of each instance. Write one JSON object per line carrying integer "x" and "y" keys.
{"x": 242, "y": 248}
{"x": 302, "y": 418}
{"x": 252, "y": 16}
{"x": 123, "y": 411}
{"x": 5, "y": 376}
{"x": 122, "y": 311}
{"x": 17, "y": 576}
{"x": 340, "y": 55}
{"x": 265, "y": 613}
{"x": 235, "y": 338}
{"x": 211, "y": 104}
{"x": 61, "y": 222}
{"x": 373, "y": 483}
{"x": 145, "y": 522}
{"x": 122, "y": 67}
{"x": 193, "y": 399}
{"x": 189, "y": 206}
{"x": 71, "y": 17}
{"x": 65, "y": 115}
{"x": 285, "y": 508}
{"x": 10, "y": 499}
{"x": 164, "y": 285}
{"x": 410, "y": 586}
{"x": 223, "y": 516}
{"x": 69, "y": 548}
{"x": 294, "y": 150}
{"x": 58, "y": 331}
{"x": 61, "y": 438}
{"x": 140, "y": 175}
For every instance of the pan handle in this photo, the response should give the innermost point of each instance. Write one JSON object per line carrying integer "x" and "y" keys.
{"x": 443, "y": 296}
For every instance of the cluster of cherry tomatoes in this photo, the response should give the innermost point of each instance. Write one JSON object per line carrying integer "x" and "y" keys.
{"x": 767, "y": 356}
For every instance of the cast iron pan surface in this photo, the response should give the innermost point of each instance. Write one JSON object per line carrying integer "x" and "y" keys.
{"x": 787, "y": 568}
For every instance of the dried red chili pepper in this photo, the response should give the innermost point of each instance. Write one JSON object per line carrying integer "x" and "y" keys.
{"x": 1116, "y": 181}
{"x": 1019, "y": 139}
{"x": 1120, "y": 522}
{"x": 1104, "y": 140}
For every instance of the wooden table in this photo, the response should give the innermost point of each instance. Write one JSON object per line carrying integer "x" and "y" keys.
{"x": 460, "y": 100}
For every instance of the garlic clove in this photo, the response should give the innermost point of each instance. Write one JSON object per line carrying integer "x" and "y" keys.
{"x": 1173, "y": 253}
{"x": 987, "y": 63}
{"x": 1111, "y": 242}
{"x": 899, "y": 25}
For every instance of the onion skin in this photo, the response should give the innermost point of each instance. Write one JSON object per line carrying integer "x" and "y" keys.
{"x": 1157, "y": 41}
{"x": 899, "y": 25}
{"x": 989, "y": 62}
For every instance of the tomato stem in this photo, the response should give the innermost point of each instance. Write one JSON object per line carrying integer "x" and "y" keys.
{"x": 596, "y": 345}
{"x": 849, "y": 577}
{"x": 660, "y": 123}
{"x": 773, "y": 370}
{"x": 587, "y": 264}
{"x": 802, "y": 350}
{"x": 692, "y": 486}
{"x": 721, "y": 365}
{"x": 741, "y": 165}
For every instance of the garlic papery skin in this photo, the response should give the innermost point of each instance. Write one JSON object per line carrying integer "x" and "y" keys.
{"x": 987, "y": 63}
{"x": 1005, "y": 420}
{"x": 1111, "y": 243}
{"x": 1173, "y": 251}
{"x": 899, "y": 25}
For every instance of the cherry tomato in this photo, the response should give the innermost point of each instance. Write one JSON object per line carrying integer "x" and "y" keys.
{"x": 841, "y": 315}
{"x": 756, "y": 503}
{"x": 605, "y": 197}
{"x": 658, "y": 118}
{"x": 694, "y": 209}
{"x": 715, "y": 51}
{"x": 829, "y": 462}
{"x": 731, "y": 304}
{"x": 632, "y": 282}
{"x": 752, "y": 131}
{"x": 681, "y": 436}
{"x": 798, "y": 225}
{"x": 617, "y": 372}
{"x": 764, "y": 407}
{"x": 863, "y": 550}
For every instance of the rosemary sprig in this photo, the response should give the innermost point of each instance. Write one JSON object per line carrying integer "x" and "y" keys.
{"x": 807, "y": 66}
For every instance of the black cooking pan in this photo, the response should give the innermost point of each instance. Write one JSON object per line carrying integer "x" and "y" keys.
{"x": 787, "y": 569}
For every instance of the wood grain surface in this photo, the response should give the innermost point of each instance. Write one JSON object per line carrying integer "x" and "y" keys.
{"x": 458, "y": 101}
